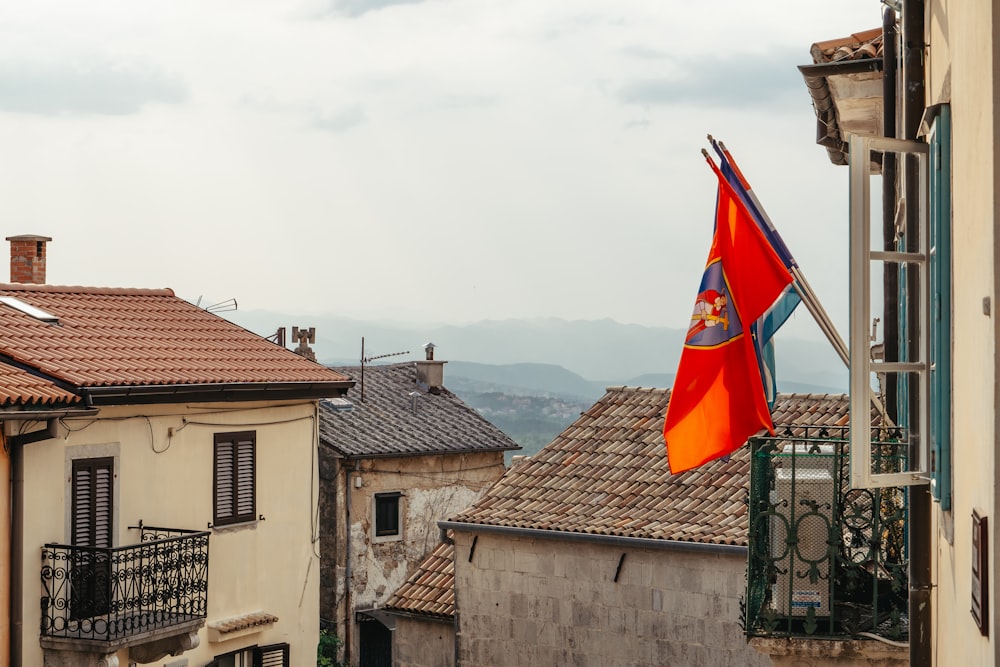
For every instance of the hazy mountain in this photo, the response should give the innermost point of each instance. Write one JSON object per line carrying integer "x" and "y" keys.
{"x": 598, "y": 352}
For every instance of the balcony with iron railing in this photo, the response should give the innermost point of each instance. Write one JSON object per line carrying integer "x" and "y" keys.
{"x": 825, "y": 561}
{"x": 99, "y": 600}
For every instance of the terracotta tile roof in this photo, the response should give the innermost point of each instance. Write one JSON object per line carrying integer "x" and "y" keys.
{"x": 244, "y": 622}
{"x": 19, "y": 388}
{"x": 399, "y": 418}
{"x": 607, "y": 474}
{"x": 430, "y": 590}
{"x": 860, "y": 45}
{"x": 108, "y": 337}
{"x": 845, "y": 83}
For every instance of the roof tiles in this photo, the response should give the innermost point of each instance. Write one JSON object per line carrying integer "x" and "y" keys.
{"x": 607, "y": 474}
{"x": 430, "y": 590}
{"x": 19, "y": 388}
{"x": 128, "y": 337}
{"x": 398, "y": 417}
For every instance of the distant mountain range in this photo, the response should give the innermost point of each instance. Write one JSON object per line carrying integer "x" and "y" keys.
{"x": 575, "y": 359}
{"x": 532, "y": 378}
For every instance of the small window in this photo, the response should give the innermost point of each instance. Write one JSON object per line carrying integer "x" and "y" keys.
{"x": 235, "y": 473}
{"x": 275, "y": 655}
{"x": 387, "y": 515}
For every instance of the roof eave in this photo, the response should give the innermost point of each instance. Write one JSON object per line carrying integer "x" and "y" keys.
{"x": 595, "y": 538}
{"x": 423, "y": 452}
{"x": 829, "y": 133}
{"x": 224, "y": 392}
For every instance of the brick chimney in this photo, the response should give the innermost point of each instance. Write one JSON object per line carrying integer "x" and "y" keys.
{"x": 27, "y": 258}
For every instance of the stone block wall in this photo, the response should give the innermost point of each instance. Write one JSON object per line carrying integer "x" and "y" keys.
{"x": 555, "y": 602}
{"x": 420, "y": 643}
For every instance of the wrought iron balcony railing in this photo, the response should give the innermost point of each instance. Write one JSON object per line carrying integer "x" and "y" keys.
{"x": 109, "y": 595}
{"x": 825, "y": 560}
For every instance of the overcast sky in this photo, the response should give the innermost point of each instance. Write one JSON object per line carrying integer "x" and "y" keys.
{"x": 440, "y": 160}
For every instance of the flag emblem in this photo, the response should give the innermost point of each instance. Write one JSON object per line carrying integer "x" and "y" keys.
{"x": 713, "y": 321}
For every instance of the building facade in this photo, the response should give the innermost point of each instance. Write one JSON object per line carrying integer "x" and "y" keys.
{"x": 399, "y": 455}
{"x": 164, "y": 481}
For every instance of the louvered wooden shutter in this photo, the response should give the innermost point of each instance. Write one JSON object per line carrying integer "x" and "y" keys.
{"x": 93, "y": 494}
{"x": 275, "y": 655}
{"x": 235, "y": 477}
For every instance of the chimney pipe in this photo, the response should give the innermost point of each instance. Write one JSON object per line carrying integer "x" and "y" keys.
{"x": 27, "y": 258}
{"x": 430, "y": 373}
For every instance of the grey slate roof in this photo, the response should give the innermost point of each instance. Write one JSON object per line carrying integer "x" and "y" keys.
{"x": 391, "y": 421}
{"x": 607, "y": 474}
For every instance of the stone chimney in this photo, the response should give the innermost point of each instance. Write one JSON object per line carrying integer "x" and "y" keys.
{"x": 430, "y": 372}
{"x": 304, "y": 336}
{"x": 27, "y": 258}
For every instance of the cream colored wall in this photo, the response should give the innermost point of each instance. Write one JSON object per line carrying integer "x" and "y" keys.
{"x": 164, "y": 478}
{"x": 960, "y": 71}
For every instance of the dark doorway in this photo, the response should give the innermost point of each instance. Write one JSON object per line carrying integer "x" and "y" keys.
{"x": 376, "y": 645}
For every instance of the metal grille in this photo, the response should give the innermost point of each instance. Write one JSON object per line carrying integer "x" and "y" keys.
{"x": 158, "y": 583}
{"x": 825, "y": 559}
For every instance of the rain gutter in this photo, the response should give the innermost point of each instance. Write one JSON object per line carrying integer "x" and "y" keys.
{"x": 591, "y": 538}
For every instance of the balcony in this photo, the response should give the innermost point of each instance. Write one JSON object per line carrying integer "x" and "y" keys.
{"x": 825, "y": 561}
{"x": 151, "y": 593}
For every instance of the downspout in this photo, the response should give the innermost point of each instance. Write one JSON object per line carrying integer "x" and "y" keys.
{"x": 16, "y": 551}
{"x": 920, "y": 616}
{"x": 348, "y": 583}
{"x": 890, "y": 273}
{"x": 5, "y": 539}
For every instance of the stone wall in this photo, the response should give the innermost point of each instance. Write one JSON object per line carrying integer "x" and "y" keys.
{"x": 556, "y": 602}
{"x": 420, "y": 643}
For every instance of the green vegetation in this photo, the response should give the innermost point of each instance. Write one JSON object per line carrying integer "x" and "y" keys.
{"x": 530, "y": 421}
{"x": 329, "y": 647}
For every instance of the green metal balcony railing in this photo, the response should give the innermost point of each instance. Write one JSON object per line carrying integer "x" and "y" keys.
{"x": 824, "y": 560}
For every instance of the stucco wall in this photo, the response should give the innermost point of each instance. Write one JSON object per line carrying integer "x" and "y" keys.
{"x": 961, "y": 69}
{"x": 555, "y": 602}
{"x": 435, "y": 487}
{"x": 163, "y": 470}
{"x": 419, "y": 643}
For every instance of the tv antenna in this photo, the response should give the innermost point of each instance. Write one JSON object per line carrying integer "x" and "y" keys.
{"x": 367, "y": 360}
{"x": 221, "y": 307}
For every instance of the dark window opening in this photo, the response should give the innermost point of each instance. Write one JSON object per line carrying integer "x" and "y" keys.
{"x": 387, "y": 514}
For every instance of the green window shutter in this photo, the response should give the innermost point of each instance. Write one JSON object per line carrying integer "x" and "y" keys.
{"x": 940, "y": 315}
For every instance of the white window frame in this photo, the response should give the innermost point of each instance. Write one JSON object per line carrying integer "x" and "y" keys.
{"x": 400, "y": 516}
{"x": 863, "y": 397}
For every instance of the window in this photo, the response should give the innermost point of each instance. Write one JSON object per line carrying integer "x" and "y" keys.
{"x": 275, "y": 655}
{"x": 897, "y": 455}
{"x": 235, "y": 464}
{"x": 93, "y": 515}
{"x": 387, "y": 515}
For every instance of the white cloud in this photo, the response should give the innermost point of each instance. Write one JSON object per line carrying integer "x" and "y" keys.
{"x": 460, "y": 160}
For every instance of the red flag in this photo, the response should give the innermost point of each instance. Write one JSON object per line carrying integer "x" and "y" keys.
{"x": 718, "y": 398}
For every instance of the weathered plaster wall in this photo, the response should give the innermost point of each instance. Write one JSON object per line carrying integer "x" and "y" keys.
{"x": 435, "y": 487}
{"x": 553, "y": 602}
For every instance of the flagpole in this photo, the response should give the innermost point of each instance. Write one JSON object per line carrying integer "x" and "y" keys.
{"x": 801, "y": 285}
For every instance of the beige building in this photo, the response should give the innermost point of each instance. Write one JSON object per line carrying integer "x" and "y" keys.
{"x": 591, "y": 553}
{"x": 164, "y": 495}
{"x": 398, "y": 455}
{"x": 936, "y": 88}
